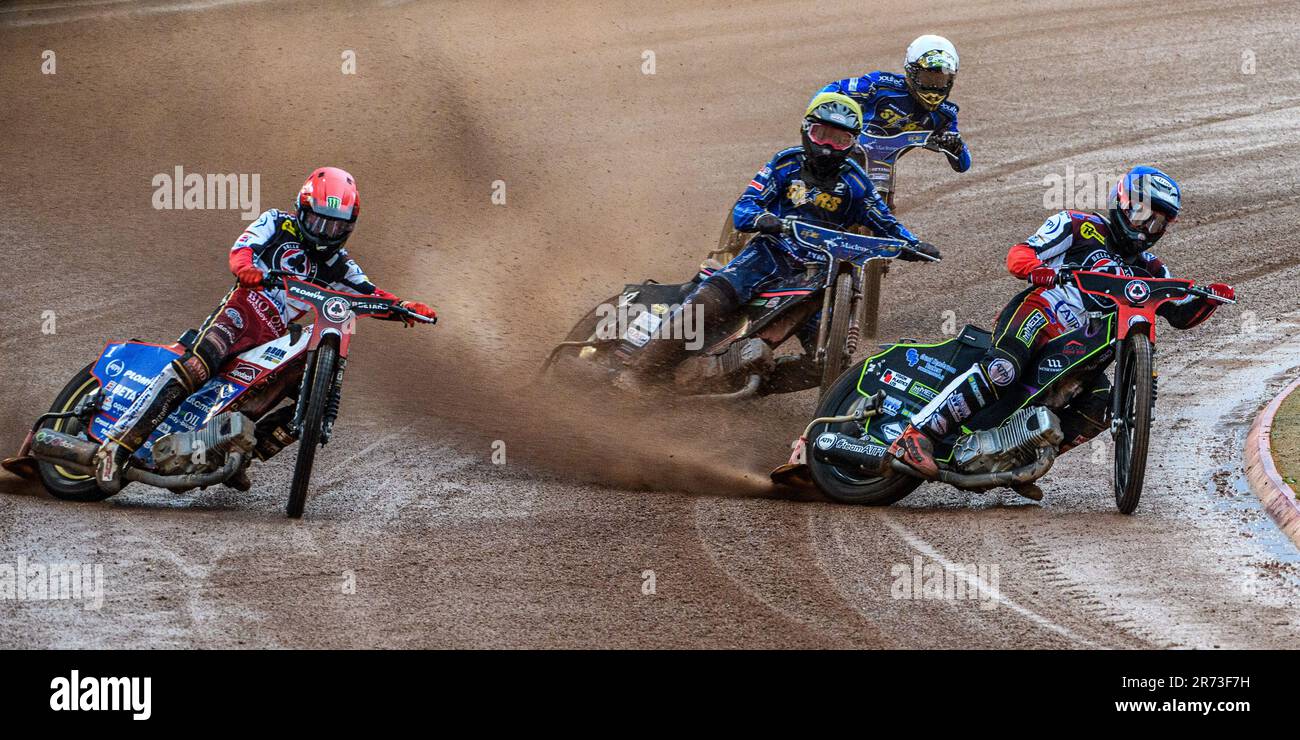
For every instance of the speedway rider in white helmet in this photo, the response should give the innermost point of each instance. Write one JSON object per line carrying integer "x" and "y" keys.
{"x": 916, "y": 100}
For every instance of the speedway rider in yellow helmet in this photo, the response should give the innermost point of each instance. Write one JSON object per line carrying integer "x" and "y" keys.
{"x": 816, "y": 182}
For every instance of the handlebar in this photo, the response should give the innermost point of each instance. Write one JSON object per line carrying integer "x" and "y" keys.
{"x": 273, "y": 278}
{"x": 788, "y": 224}
{"x": 1065, "y": 272}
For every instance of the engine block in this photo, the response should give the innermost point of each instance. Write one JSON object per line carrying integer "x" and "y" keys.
{"x": 204, "y": 449}
{"x": 1011, "y": 445}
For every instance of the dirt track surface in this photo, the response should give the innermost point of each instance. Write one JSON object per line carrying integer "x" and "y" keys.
{"x": 616, "y": 175}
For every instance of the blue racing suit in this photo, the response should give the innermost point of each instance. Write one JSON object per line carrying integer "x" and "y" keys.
{"x": 888, "y": 108}
{"x": 780, "y": 190}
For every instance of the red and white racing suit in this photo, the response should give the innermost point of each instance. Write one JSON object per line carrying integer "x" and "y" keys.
{"x": 245, "y": 319}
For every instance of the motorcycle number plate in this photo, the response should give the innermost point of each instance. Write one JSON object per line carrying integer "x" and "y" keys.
{"x": 642, "y": 328}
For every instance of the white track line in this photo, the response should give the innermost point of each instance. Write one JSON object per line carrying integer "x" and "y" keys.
{"x": 925, "y": 548}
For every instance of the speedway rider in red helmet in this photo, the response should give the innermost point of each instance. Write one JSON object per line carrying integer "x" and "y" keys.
{"x": 308, "y": 242}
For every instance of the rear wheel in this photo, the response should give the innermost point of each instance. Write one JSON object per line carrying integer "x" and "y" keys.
{"x": 59, "y": 481}
{"x": 319, "y": 385}
{"x": 837, "y": 352}
{"x": 1134, "y": 385}
{"x": 852, "y": 486}
{"x": 730, "y": 241}
{"x": 584, "y": 331}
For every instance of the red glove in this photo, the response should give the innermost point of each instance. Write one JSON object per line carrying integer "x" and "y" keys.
{"x": 1043, "y": 276}
{"x": 1222, "y": 290}
{"x": 250, "y": 278}
{"x": 418, "y": 308}
{"x": 241, "y": 266}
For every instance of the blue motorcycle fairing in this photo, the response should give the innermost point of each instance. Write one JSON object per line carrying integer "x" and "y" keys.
{"x": 856, "y": 248}
{"x": 126, "y": 369}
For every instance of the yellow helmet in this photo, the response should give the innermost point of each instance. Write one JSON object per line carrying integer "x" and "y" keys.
{"x": 831, "y": 125}
{"x": 835, "y": 109}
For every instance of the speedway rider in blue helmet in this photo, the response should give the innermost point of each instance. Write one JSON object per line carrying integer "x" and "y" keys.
{"x": 1142, "y": 205}
{"x": 916, "y": 100}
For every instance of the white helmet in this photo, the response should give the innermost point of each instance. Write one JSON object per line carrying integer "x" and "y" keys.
{"x": 931, "y": 68}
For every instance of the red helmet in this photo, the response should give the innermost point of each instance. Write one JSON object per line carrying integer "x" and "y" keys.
{"x": 328, "y": 205}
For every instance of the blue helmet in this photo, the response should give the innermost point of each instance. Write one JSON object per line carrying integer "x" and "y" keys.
{"x": 1142, "y": 204}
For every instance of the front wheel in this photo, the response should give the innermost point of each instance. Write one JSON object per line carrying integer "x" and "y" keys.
{"x": 852, "y": 486}
{"x": 1134, "y": 386}
{"x": 320, "y": 382}
{"x": 837, "y": 350}
{"x": 61, "y": 482}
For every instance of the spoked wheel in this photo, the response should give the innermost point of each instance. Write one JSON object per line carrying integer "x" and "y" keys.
{"x": 319, "y": 384}
{"x": 1132, "y": 419}
{"x": 58, "y": 480}
{"x": 851, "y": 486}
{"x": 837, "y": 353}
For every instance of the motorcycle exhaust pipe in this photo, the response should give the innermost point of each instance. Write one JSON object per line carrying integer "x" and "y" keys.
{"x": 845, "y": 451}
{"x": 79, "y": 454}
{"x": 57, "y": 447}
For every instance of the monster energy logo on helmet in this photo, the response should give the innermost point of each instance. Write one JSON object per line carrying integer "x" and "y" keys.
{"x": 837, "y": 110}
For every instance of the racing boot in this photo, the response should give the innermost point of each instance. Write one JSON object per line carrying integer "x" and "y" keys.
{"x": 651, "y": 364}
{"x": 150, "y": 409}
{"x": 916, "y": 450}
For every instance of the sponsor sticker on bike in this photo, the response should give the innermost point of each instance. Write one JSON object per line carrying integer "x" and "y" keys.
{"x": 895, "y": 380}
{"x": 922, "y": 391}
{"x": 244, "y": 373}
{"x": 892, "y": 406}
{"x": 930, "y": 365}
{"x": 1137, "y": 291}
{"x": 642, "y": 328}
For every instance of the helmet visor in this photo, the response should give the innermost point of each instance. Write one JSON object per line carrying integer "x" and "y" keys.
{"x": 1148, "y": 220}
{"x": 324, "y": 229}
{"x": 831, "y": 136}
{"x": 933, "y": 79}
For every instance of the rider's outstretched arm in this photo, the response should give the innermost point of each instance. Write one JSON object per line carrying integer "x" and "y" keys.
{"x": 959, "y": 156}
{"x": 1189, "y": 311}
{"x": 355, "y": 279}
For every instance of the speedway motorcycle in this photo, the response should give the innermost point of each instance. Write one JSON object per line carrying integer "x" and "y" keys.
{"x": 233, "y": 419}
{"x": 735, "y": 359}
{"x": 1012, "y": 442}
{"x": 878, "y": 154}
